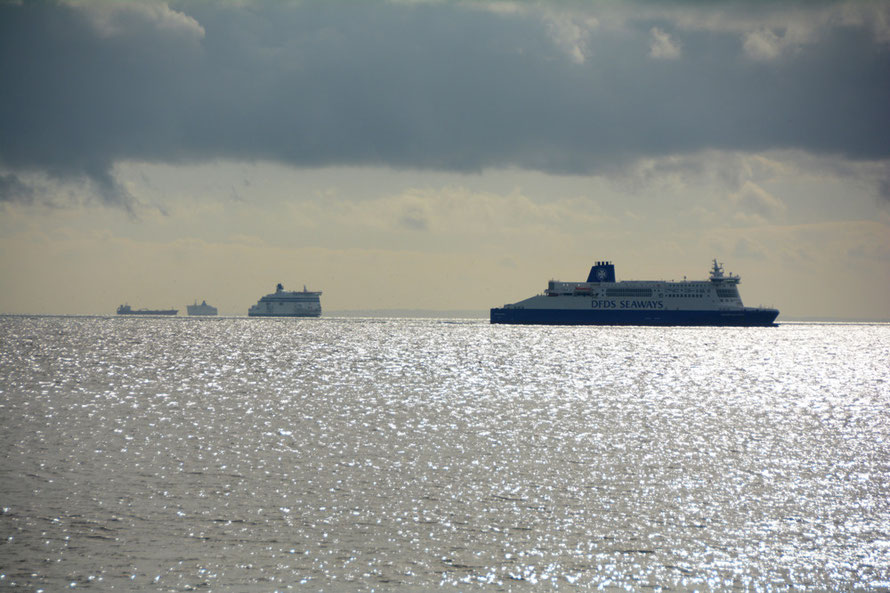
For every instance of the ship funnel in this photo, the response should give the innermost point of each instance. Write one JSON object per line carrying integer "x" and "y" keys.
{"x": 603, "y": 271}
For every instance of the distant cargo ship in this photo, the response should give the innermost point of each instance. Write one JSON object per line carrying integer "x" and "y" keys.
{"x": 283, "y": 303}
{"x": 126, "y": 310}
{"x": 202, "y": 309}
{"x": 603, "y": 301}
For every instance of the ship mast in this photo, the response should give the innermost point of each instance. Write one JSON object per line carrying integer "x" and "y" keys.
{"x": 718, "y": 277}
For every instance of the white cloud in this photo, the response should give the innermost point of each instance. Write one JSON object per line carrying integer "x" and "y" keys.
{"x": 570, "y": 33}
{"x": 662, "y": 46}
{"x": 773, "y": 39}
{"x": 728, "y": 170}
{"x": 875, "y": 15}
{"x": 763, "y": 45}
{"x": 753, "y": 199}
{"x": 120, "y": 18}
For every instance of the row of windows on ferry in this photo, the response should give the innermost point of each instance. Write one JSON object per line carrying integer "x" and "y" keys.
{"x": 685, "y": 292}
{"x": 723, "y": 293}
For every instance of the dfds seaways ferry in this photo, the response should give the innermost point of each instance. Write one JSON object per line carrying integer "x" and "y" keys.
{"x": 603, "y": 301}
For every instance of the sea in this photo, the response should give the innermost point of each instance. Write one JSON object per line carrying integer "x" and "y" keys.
{"x": 408, "y": 454}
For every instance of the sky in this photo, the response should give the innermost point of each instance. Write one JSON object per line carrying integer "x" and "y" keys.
{"x": 441, "y": 155}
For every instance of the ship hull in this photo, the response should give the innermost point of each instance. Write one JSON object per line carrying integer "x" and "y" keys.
{"x": 747, "y": 317}
{"x": 137, "y": 312}
{"x": 254, "y": 314}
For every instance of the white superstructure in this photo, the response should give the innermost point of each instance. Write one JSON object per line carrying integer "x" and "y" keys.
{"x": 283, "y": 303}
{"x": 719, "y": 292}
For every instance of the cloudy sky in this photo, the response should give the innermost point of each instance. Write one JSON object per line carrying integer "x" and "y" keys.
{"x": 444, "y": 155}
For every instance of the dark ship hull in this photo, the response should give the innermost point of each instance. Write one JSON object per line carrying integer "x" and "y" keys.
{"x": 747, "y": 317}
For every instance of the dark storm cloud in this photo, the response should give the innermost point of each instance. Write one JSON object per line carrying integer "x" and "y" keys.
{"x": 431, "y": 86}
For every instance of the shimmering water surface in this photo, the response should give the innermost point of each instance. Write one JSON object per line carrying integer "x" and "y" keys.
{"x": 396, "y": 454}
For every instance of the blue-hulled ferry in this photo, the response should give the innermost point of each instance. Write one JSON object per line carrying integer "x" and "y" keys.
{"x": 603, "y": 301}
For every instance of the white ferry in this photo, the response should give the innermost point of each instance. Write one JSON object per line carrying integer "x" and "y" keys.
{"x": 603, "y": 301}
{"x": 283, "y": 303}
{"x": 202, "y": 309}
